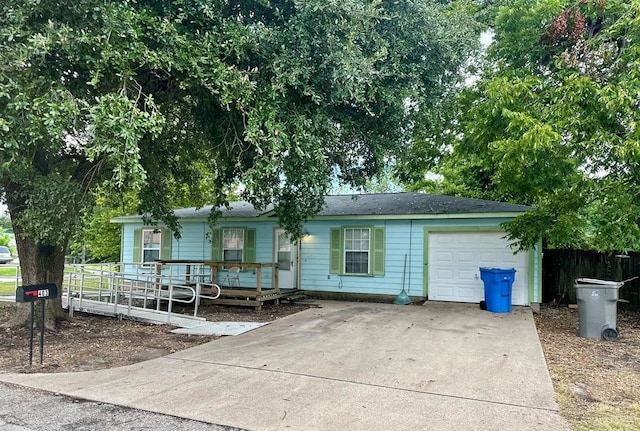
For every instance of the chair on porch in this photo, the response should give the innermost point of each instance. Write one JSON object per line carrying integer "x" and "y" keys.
{"x": 232, "y": 278}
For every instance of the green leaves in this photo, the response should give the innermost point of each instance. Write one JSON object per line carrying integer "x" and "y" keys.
{"x": 116, "y": 126}
{"x": 183, "y": 101}
{"x": 51, "y": 207}
{"x": 552, "y": 123}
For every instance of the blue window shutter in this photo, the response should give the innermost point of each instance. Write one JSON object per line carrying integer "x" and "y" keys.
{"x": 137, "y": 246}
{"x": 377, "y": 264}
{"x": 167, "y": 238}
{"x": 250, "y": 245}
{"x": 335, "y": 246}
{"x": 216, "y": 245}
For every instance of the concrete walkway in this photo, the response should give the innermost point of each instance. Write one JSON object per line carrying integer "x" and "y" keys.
{"x": 345, "y": 366}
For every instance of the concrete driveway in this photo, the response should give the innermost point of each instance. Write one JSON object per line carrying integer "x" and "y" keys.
{"x": 345, "y": 366}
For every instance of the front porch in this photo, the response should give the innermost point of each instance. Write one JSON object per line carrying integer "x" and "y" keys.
{"x": 125, "y": 289}
{"x": 246, "y": 288}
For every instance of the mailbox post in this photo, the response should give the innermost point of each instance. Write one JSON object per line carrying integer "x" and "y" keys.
{"x": 31, "y": 294}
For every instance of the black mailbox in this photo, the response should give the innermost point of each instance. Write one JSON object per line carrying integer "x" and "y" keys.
{"x": 36, "y": 292}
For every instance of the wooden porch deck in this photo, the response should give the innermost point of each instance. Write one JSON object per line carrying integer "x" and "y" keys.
{"x": 246, "y": 296}
{"x": 250, "y": 297}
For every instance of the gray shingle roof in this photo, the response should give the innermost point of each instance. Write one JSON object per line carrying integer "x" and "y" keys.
{"x": 412, "y": 203}
{"x": 391, "y": 204}
{"x": 236, "y": 209}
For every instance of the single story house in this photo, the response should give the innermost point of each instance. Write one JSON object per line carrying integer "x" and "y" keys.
{"x": 371, "y": 244}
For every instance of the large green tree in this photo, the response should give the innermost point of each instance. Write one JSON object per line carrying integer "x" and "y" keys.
{"x": 96, "y": 239}
{"x": 150, "y": 96}
{"x": 552, "y": 121}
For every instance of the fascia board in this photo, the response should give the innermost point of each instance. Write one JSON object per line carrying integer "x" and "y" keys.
{"x": 269, "y": 215}
{"x": 420, "y": 216}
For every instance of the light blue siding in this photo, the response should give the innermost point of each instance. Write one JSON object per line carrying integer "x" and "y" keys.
{"x": 315, "y": 261}
{"x": 398, "y": 239}
{"x": 195, "y": 244}
{"x": 126, "y": 253}
{"x": 403, "y": 237}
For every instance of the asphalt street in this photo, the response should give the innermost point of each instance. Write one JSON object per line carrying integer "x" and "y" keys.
{"x": 31, "y": 410}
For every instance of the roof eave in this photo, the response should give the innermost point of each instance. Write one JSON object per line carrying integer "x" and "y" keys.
{"x": 511, "y": 214}
{"x": 268, "y": 215}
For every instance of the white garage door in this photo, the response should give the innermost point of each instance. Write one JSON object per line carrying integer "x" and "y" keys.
{"x": 455, "y": 259}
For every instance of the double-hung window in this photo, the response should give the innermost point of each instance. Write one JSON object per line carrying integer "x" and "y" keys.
{"x": 232, "y": 245}
{"x": 151, "y": 244}
{"x": 357, "y": 250}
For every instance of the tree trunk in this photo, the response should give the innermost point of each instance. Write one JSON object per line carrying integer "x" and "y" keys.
{"x": 39, "y": 264}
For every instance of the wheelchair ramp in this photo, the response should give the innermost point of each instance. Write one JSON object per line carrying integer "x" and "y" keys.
{"x": 139, "y": 314}
{"x": 187, "y": 325}
{"x": 220, "y": 328}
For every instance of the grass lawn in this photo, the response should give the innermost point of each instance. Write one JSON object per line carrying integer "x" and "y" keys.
{"x": 91, "y": 282}
{"x": 7, "y": 288}
{"x": 8, "y": 285}
{"x": 8, "y": 271}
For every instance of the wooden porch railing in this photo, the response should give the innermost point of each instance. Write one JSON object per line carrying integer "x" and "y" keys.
{"x": 257, "y": 266}
{"x": 245, "y": 295}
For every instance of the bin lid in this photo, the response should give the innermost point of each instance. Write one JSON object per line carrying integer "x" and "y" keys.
{"x": 587, "y": 282}
{"x": 484, "y": 269}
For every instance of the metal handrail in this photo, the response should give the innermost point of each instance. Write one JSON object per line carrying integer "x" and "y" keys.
{"x": 111, "y": 283}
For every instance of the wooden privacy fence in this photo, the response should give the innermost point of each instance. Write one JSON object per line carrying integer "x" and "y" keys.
{"x": 561, "y": 267}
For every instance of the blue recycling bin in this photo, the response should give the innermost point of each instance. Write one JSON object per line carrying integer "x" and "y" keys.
{"x": 498, "y": 284}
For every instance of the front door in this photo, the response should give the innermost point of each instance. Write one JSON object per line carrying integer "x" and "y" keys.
{"x": 285, "y": 253}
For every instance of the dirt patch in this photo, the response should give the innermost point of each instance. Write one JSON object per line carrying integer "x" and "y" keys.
{"x": 89, "y": 342}
{"x": 597, "y": 382}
